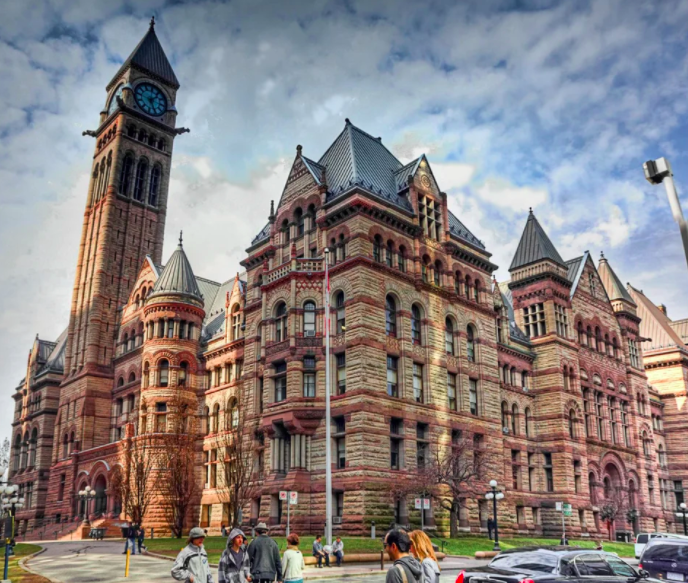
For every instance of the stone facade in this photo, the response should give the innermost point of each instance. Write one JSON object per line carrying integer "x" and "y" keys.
{"x": 544, "y": 372}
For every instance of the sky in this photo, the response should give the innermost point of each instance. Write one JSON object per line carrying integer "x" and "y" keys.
{"x": 517, "y": 104}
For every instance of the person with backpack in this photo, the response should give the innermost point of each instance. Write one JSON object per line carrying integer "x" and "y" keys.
{"x": 265, "y": 557}
{"x": 406, "y": 569}
{"x": 421, "y": 548}
{"x": 191, "y": 564}
{"x": 235, "y": 564}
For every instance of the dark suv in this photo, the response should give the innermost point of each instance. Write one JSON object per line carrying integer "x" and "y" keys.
{"x": 666, "y": 558}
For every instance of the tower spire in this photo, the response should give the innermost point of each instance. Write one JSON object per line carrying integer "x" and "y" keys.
{"x": 180, "y": 238}
{"x": 152, "y": 23}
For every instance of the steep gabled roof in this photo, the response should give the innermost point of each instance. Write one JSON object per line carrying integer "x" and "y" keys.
{"x": 534, "y": 246}
{"x": 514, "y": 331}
{"x": 149, "y": 57}
{"x": 681, "y": 328}
{"x": 314, "y": 168}
{"x": 613, "y": 286}
{"x": 458, "y": 229}
{"x": 177, "y": 277}
{"x": 654, "y": 324}
{"x": 356, "y": 158}
{"x": 55, "y": 360}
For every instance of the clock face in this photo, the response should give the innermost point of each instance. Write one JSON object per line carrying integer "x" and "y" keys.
{"x": 150, "y": 99}
{"x": 113, "y": 101}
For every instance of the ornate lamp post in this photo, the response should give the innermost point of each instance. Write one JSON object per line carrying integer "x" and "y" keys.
{"x": 86, "y": 495}
{"x": 10, "y": 503}
{"x": 682, "y": 507}
{"x": 495, "y": 495}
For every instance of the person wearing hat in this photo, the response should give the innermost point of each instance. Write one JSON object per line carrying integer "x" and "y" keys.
{"x": 265, "y": 557}
{"x": 235, "y": 565}
{"x": 191, "y": 564}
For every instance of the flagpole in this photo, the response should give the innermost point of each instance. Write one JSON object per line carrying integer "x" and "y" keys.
{"x": 328, "y": 429}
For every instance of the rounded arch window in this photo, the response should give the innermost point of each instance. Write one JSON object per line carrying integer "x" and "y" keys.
{"x": 145, "y": 377}
{"x": 390, "y": 316}
{"x": 401, "y": 258}
{"x": 298, "y": 219}
{"x": 416, "y": 333}
{"x": 470, "y": 343}
{"x": 309, "y": 318}
{"x": 140, "y": 181}
{"x": 154, "y": 188}
{"x": 132, "y": 377}
{"x": 216, "y": 418}
{"x": 120, "y": 382}
{"x": 233, "y": 414}
{"x": 505, "y": 415}
{"x": 280, "y": 322}
{"x": 437, "y": 274}
{"x": 514, "y": 419}
{"x": 183, "y": 373}
{"x": 341, "y": 312}
{"x": 572, "y": 423}
{"x": 164, "y": 373}
{"x": 449, "y": 336}
{"x": 285, "y": 230}
{"x": 126, "y": 175}
{"x": 527, "y": 420}
{"x": 377, "y": 248}
{"x": 389, "y": 256}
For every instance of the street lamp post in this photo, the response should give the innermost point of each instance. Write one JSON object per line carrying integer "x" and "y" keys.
{"x": 10, "y": 504}
{"x": 328, "y": 420}
{"x": 658, "y": 171}
{"x": 495, "y": 495}
{"x": 682, "y": 507}
{"x": 86, "y": 495}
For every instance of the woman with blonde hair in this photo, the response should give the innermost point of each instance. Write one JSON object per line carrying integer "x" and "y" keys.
{"x": 421, "y": 548}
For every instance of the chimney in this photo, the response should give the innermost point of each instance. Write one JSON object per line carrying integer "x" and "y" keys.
{"x": 663, "y": 309}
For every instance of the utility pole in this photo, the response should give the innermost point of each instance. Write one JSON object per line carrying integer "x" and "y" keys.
{"x": 328, "y": 429}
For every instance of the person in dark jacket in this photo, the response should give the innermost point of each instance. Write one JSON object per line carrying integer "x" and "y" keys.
{"x": 265, "y": 557}
{"x": 406, "y": 569}
{"x": 235, "y": 564}
{"x": 140, "y": 537}
{"x": 130, "y": 539}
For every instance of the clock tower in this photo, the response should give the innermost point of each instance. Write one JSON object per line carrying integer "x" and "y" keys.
{"x": 124, "y": 221}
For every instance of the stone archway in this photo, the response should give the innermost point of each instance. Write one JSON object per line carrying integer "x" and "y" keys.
{"x": 100, "y": 503}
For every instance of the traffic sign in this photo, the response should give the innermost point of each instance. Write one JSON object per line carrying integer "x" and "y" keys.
{"x": 283, "y": 495}
{"x": 568, "y": 510}
{"x": 422, "y": 503}
{"x": 293, "y": 497}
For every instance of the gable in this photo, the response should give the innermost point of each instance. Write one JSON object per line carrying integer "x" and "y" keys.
{"x": 589, "y": 281}
{"x": 148, "y": 275}
{"x": 425, "y": 179}
{"x": 300, "y": 181}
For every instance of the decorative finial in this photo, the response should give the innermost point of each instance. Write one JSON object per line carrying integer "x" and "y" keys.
{"x": 347, "y": 120}
{"x": 601, "y": 254}
{"x": 531, "y": 210}
{"x": 298, "y": 150}
{"x": 180, "y": 238}
{"x": 152, "y": 23}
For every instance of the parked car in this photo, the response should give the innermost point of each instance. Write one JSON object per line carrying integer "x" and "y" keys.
{"x": 561, "y": 564}
{"x": 645, "y": 537}
{"x": 666, "y": 558}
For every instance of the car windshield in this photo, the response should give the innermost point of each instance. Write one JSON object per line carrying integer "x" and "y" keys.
{"x": 527, "y": 562}
{"x": 666, "y": 552}
{"x": 642, "y": 539}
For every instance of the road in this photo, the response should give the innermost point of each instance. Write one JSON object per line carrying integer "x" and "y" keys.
{"x": 103, "y": 561}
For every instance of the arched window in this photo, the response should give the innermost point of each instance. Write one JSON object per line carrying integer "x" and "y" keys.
{"x": 298, "y": 219}
{"x": 143, "y": 135}
{"x": 71, "y": 442}
{"x": 162, "y": 146}
{"x": 607, "y": 345}
{"x": 588, "y": 339}
{"x": 457, "y": 283}
{"x": 598, "y": 340}
{"x": 285, "y": 230}
{"x": 236, "y": 322}
{"x": 132, "y": 377}
{"x": 341, "y": 312}
{"x": 607, "y": 487}
{"x": 401, "y": 258}
{"x": 505, "y": 414}
{"x": 309, "y": 319}
{"x": 152, "y": 139}
{"x": 467, "y": 286}
{"x": 524, "y": 380}
{"x": 470, "y": 343}
{"x": 164, "y": 372}
{"x": 342, "y": 248}
{"x": 32, "y": 447}
{"x": 281, "y": 322}
{"x": 566, "y": 378}
{"x": 377, "y": 248}
{"x": 390, "y": 316}
{"x": 572, "y": 423}
{"x": 416, "y": 325}
{"x": 514, "y": 419}
{"x": 139, "y": 185}
{"x": 183, "y": 373}
{"x": 389, "y": 257}
{"x": 154, "y": 186}
{"x": 449, "y": 336}
{"x": 206, "y": 420}
{"x": 505, "y": 374}
{"x": 646, "y": 444}
{"x": 131, "y": 131}
{"x": 615, "y": 348}
{"x": 424, "y": 268}
{"x": 216, "y": 419}
{"x": 126, "y": 174}
{"x": 145, "y": 377}
{"x": 512, "y": 377}
{"x": 581, "y": 334}
{"x": 437, "y": 275}
{"x": 234, "y": 415}
{"x": 592, "y": 488}
{"x": 526, "y": 418}
{"x": 476, "y": 291}
{"x": 120, "y": 382}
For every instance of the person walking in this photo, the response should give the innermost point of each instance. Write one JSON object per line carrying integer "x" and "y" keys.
{"x": 265, "y": 557}
{"x": 338, "y": 550}
{"x": 191, "y": 564}
{"x": 292, "y": 561}
{"x": 130, "y": 539}
{"x": 406, "y": 569}
{"x": 319, "y": 553}
{"x": 421, "y": 548}
{"x": 140, "y": 537}
{"x": 235, "y": 564}
{"x": 223, "y": 530}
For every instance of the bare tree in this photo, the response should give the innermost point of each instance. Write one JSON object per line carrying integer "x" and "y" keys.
{"x": 236, "y": 483}
{"x": 458, "y": 468}
{"x": 613, "y": 506}
{"x": 135, "y": 482}
{"x": 177, "y": 463}
{"x": 422, "y": 483}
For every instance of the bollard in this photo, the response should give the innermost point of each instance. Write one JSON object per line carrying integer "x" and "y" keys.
{"x": 372, "y": 529}
{"x": 126, "y": 566}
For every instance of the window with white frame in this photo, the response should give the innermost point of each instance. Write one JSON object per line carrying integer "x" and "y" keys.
{"x": 418, "y": 382}
{"x": 561, "y": 320}
{"x": 451, "y": 391}
{"x": 633, "y": 353}
{"x": 534, "y": 320}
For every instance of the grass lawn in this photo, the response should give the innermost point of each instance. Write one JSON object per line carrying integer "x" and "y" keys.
{"x": 16, "y": 573}
{"x": 214, "y": 545}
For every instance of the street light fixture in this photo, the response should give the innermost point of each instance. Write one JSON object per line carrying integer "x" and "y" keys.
{"x": 658, "y": 171}
{"x": 682, "y": 507}
{"x": 11, "y": 502}
{"x": 86, "y": 495}
{"x": 495, "y": 495}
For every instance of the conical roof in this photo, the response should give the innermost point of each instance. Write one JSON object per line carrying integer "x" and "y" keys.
{"x": 149, "y": 57}
{"x": 534, "y": 246}
{"x": 615, "y": 289}
{"x": 177, "y": 277}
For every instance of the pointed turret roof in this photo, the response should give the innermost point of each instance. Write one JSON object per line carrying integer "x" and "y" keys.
{"x": 612, "y": 284}
{"x": 177, "y": 277}
{"x": 534, "y": 246}
{"x": 655, "y": 326}
{"x": 149, "y": 57}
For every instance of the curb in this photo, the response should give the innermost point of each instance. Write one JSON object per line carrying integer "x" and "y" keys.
{"x": 23, "y": 564}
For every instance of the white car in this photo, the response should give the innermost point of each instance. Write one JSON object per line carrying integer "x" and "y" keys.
{"x": 645, "y": 537}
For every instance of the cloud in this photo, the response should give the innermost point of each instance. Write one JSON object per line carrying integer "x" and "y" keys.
{"x": 504, "y": 195}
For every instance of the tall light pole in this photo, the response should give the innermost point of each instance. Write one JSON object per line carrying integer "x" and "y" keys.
{"x": 10, "y": 503}
{"x": 86, "y": 495}
{"x": 328, "y": 429}
{"x": 495, "y": 495}
{"x": 658, "y": 171}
